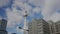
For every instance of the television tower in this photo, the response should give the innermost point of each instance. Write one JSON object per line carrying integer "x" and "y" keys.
{"x": 25, "y": 22}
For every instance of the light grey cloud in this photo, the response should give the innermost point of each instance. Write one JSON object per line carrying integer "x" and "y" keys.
{"x": 55, "y": 17}
{"x": 49, "y": 9}
{"x": 14, "y": 17}
{"x": 4, "y": 2}
{"x": 37, "y": 2}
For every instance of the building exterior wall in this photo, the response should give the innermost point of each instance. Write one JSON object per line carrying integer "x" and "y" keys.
{"x": 54, "y": 27}
{"x": 42, "y": 27}
{"x": 57, "y": 27}
{"x": 38, "y": 27}
{"x": 3, "y": 24}
{"x": 46, "y": 28}
{"x": 3, "y": 32}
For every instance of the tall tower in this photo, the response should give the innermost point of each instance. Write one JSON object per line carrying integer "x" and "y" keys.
{"x": 25, "y": 22}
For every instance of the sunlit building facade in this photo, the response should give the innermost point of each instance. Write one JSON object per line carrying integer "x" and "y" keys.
{"x": 38, "y": 27}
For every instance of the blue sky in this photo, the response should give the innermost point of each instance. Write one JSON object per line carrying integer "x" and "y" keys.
{"x": 13, "y": 11}
{"x": 2, "y": 12}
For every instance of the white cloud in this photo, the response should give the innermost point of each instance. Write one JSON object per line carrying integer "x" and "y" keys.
{"x": 36, "y": 10}
{"x": 49, "y": 9}
{"x": 55, "y": 17}
{"x": 22, "y": 5}
{"x": 4, "y": 2}
{"x": 14, "y": 17}
{"x": 22, "y": 0}
{"x": 37, "y": 2}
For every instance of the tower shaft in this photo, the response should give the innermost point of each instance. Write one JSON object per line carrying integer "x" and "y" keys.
{"x": 25, "y": 23}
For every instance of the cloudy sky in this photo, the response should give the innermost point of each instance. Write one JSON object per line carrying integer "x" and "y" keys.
{"x": 13, "y": 11}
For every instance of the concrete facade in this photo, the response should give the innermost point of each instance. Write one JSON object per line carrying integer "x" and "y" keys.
{"x": 42, "y": 27}
{"x": 54, "y": 27}
{"x": 38, "y": 27}
{"x": 57, "y": 27}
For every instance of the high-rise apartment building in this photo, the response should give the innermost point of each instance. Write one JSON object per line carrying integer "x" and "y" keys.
{"x": 57, "y": 27}
{"x": 38, "y": 27}
{"x": 54, "y": 27}
{"x": 3, "y": 24}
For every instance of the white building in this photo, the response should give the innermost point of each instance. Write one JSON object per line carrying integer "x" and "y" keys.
{"x": 57, "y": 27}
{"x": 38, "y": 27}
{"x": 54, "y": 27}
